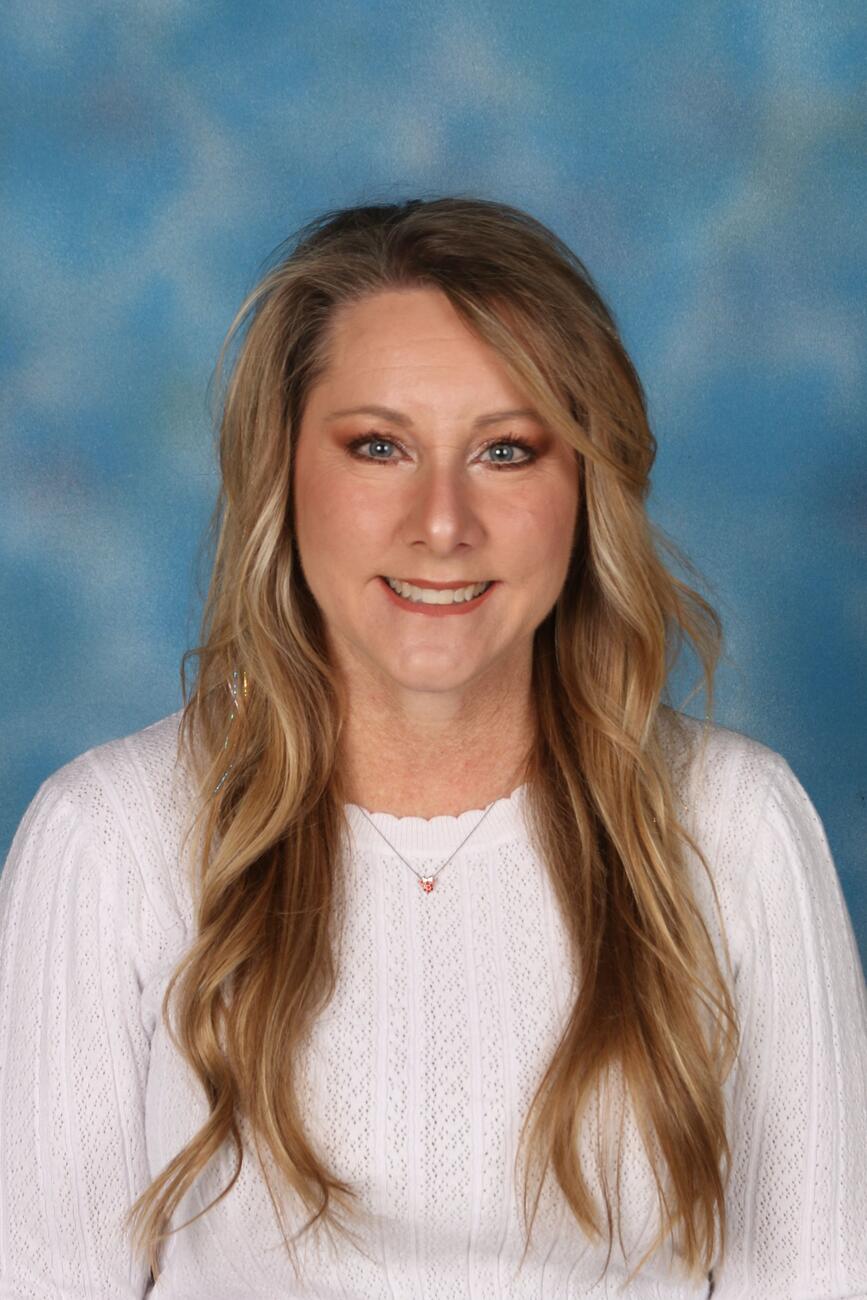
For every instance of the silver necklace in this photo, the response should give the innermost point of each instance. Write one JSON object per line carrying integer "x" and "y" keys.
{"x": 427, "y": 882}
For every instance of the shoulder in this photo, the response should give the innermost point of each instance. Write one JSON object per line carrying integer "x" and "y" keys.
{"x": 765, "y": 844}
{"x": 127, "y": 805}
{"x": 718, "y": 772}
{"x": 725, "y": 783}
{"x": 141, "y": 780}
{"x": 151, "y": 754}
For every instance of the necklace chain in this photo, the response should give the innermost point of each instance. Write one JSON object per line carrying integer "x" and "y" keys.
{"x": 427, "y": 882}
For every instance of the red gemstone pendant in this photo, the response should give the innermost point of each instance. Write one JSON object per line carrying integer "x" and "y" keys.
{"x": 427, "y": 883}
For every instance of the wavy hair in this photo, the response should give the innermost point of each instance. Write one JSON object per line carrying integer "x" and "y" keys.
{"x": 270, "y": 826}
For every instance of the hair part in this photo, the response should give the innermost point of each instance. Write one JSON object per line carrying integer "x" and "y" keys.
{"x": 653, "y": 1010}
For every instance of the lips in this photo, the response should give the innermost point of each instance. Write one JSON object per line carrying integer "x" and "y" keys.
{"x": 437, "y": 608}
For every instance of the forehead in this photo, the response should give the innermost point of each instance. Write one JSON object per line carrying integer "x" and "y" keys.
{"x": 403, "y": 323}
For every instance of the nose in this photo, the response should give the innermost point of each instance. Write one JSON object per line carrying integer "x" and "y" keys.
{"x": 443, "y": 508}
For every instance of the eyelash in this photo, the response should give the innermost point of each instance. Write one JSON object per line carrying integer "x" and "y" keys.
{"x": 509, "y": 441}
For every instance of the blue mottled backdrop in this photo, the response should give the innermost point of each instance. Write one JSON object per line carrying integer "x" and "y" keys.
{"x": 705, "y": 160}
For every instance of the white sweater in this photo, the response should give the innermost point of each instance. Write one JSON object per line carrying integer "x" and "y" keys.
{"x": 422, "y": 1067}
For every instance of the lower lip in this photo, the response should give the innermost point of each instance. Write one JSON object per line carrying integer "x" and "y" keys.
{"x": 437, "y": 611}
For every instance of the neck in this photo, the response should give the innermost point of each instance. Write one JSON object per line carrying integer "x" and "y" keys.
{"x": 409, "y": 801}
{"x": 434, "y": 771}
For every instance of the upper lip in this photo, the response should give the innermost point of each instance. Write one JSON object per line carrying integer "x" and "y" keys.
{"x": 443, "y": 586}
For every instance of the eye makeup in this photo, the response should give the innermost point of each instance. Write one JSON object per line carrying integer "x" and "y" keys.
{"x": 354, "y": 449}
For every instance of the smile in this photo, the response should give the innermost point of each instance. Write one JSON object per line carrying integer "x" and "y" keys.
{"x": 437, "y": 595}
{"x": 436, "y": 601}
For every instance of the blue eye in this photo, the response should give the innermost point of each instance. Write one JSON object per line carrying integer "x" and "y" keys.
{"x": 512, "y": 442}
{"x": 356, "y": 443}
{"x": 366, "y": 439}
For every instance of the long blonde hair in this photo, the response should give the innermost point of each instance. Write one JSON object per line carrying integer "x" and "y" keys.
{"x": 270, "y": 823}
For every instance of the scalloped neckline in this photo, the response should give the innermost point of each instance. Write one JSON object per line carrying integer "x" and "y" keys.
{"x": 451, "y": 818}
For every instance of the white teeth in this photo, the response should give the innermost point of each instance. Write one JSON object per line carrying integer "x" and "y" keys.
{"x": 433, "y": 596}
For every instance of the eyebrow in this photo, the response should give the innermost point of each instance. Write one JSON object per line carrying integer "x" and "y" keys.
{"x": 397, "y": 417}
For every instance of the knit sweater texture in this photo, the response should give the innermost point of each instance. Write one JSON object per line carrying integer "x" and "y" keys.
{"x": 417, "y": 1076}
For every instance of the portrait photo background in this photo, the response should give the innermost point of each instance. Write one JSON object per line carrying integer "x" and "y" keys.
{"x": 706, "y": 162}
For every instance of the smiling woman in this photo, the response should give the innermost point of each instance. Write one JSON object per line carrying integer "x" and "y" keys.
{"x": 241, "y": 1046}
{"x": 420, "y": 704}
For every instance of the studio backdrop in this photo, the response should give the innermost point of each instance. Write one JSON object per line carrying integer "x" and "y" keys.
{"x": 705, "y": 161}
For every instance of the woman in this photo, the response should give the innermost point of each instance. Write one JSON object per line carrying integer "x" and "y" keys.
{"x": 430, "y": 950}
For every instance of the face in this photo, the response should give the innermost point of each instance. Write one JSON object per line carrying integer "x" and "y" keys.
{"x": 421, "y": 495}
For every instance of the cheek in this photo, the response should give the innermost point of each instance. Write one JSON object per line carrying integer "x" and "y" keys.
{"x": 544, "y": 534}
{"x": 337, "y": 520}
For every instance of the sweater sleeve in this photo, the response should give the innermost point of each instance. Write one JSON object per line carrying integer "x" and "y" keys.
{"x": 73, "y": 1051}
{"x": 797, "y": 1199}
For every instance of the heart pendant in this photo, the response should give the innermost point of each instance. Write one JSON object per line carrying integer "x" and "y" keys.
{"x": 427, "y": 883}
